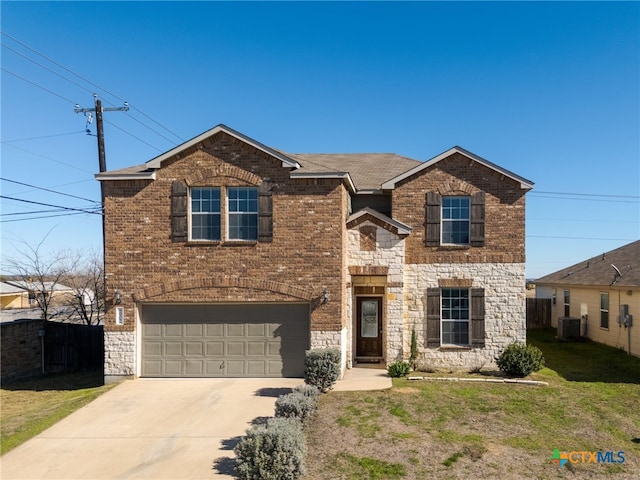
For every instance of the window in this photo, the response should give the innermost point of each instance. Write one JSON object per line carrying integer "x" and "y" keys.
{"x": 205, "y": 213}
{"x": 243, "y": 213}
{"x": 455, "y": 220}
{"x": 554, "y": 295}
{"x": 567, "y": 303}
{"x": 604, "y": 310}
{"x": 455, "y": 316}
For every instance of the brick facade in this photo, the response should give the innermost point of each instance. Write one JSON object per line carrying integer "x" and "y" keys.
{"x": 314, "y": 248}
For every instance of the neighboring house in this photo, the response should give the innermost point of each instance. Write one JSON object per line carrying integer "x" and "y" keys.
{"x": 13, "y": 297}
{"x": 226, "y": 257}
{"x": 23, "y": 294}
{"x": 597, "y": 291}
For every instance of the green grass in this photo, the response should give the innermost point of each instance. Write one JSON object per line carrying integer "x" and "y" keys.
{"x": 31, "y": 406}
{"x": 591, "y": 404}
{"x": 366, "y": 468}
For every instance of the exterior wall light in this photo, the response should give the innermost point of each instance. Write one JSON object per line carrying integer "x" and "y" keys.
{"x": 118, "y": 297}
{"x": 325, "y": 296}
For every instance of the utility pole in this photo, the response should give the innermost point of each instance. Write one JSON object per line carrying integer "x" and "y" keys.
{"x": 98, "y": 109}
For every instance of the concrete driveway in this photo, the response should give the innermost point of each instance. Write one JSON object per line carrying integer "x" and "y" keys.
{"x": 151, "y": 429}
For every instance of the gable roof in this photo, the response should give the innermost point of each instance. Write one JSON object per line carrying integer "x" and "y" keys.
{"x": 524, "y": 183}
{"x": 147, "y": 171}
{"x": 600, "y": 271}
{"x": 379, "y": 219}
{"x": 367, "y": 170}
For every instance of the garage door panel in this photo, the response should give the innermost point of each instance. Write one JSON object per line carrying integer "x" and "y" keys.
{"x": 173, "y": 348}
{"x": 256, "y": 348}
{"x": 235, "y": 330}
{"x": 215, "y": 349}
{"x": 255, "y": 340}
{"x": 150, "y": 349}
{"x": 194, "y": 348}
{"x": 193, "y": 330}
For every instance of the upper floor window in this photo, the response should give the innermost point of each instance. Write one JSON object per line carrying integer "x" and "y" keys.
{"x": 243, "y": 213}
{"x": 455, "y": 220}
{"x": 205, "y": 213}
{"x": 216, "y": 214}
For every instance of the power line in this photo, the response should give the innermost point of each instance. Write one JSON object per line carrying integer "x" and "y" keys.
{"x": 41, "y": 137}
{"x": 586, "y": 199}
{"x": 132, "y": 135}
{"x": 39, "y": 86}
{"x": 48, "y": 190}
{"x": 92, "y": 84}
{"x": 583, "y": 238}
{"x": 588, "y": 194}
{"x": 54, "y": 206}
{"x": 48, "y": 158}
{"x": 42, "y": 217}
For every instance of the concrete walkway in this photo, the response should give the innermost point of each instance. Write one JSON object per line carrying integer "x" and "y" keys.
{"x": 363, "y": 378}
{"x": 160, "y": 429}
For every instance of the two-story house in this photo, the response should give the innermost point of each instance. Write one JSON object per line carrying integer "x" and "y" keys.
{"x": 226, "y": 257}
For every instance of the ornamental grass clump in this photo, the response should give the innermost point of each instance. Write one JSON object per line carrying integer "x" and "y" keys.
{"x": 322, "y": 368}
{"x": 274, "y": 451}
{"x": 519, "y": 360}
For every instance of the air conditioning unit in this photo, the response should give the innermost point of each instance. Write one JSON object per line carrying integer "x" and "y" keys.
{"x": 568, "y": 328}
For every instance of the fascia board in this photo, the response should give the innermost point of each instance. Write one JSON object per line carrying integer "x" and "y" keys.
{"x": 342, "y": 175}
{"x": 286, "y": 161}
{"x": 524, "y": 183}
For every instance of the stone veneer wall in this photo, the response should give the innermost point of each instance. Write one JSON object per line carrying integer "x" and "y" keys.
{"x": 119, "y": 353}
{"x": 505, "y": 310}
{"x": 388, "y": 252}
{"x": 332, "y": 339}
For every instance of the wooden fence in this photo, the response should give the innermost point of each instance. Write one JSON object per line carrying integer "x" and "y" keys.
{"x": 538, "y": 313}
{"x": 70, "y": 347}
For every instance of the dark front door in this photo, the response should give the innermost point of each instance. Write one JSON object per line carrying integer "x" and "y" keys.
{"x": 369, "y": 326}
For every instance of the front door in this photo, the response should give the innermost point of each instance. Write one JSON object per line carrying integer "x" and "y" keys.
{"x": 369, "y": 326}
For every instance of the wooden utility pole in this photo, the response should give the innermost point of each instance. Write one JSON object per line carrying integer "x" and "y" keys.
{"x": 98, "y": 109}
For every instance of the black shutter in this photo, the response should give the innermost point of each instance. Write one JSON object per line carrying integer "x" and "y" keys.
{"x": 265, "y": 213}
{"x": 432, "y": 219}
{"x": 477, "y": 317}
{"x": 179, "y": 212}
{"x": 477, "y": 220}
{"x": 433, "y": 317}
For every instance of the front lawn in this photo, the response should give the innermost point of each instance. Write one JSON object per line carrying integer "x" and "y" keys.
{"x": 31, "y": 406}
{"x": 421, "y": 429}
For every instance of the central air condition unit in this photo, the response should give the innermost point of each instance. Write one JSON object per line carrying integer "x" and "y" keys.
{"x": 568, "y": 328}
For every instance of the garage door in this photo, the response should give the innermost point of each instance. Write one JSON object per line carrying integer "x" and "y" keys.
{"x": 249, "y": 340}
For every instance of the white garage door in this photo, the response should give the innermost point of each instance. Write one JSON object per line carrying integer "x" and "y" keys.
{"x": 214, "y": 340}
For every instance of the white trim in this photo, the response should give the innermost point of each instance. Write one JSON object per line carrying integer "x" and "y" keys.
{"x": 402, "y": 228}
{"x": 287, "y": 162}
{"x": 126, "y": 176}
{"x": 524, "y": 183}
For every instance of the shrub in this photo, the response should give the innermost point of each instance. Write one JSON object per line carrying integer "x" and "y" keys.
{"x": 414, "y": 349}
{"x": 520, "y": 360}
{"x": 308, "y": 391}
{"x": 322, "y": 368}
{"x": 274, "y": 451}
{"x": 296, "y": 405}
{"x": 399, "y": 369}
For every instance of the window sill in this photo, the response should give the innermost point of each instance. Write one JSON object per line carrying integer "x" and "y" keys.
{"x": 202, "y": 243}
{"x": 606, "y": 329}
{"x": 450, "y": 246}
{"x": 455, "y": 348}
{"x": 239, "y": 243}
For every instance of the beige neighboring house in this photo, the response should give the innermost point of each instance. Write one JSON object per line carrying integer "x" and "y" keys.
{"x": 16, "y": 294}
{"x": 603, "y": 290}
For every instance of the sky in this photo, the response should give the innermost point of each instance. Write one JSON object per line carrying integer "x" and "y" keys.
{"x": 547, "y": 90}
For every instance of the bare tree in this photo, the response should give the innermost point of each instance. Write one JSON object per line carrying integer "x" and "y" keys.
{"x": 41, "y": 274}
{"x": 87, "y": 281}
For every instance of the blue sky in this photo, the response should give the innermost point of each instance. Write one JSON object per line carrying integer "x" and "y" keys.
{"x": 547, "y": 90}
